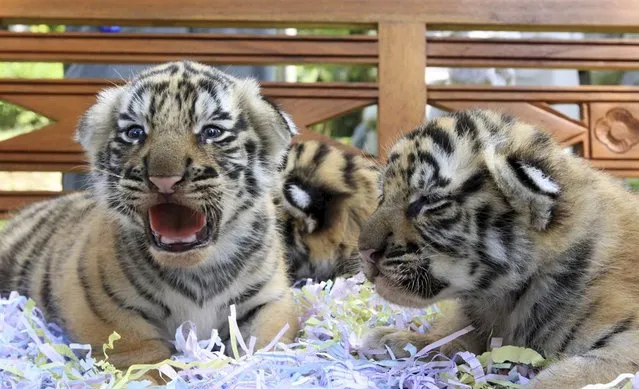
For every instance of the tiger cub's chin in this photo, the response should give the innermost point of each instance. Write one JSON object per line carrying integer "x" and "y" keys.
{"x": 179, "y": 223}
{"x": 528, "y": 243}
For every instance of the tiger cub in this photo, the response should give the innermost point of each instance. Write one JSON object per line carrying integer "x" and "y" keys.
{"x": 325, "y": 197}
{"x": 528, "y": 243}
{"x": 179, "y": 222}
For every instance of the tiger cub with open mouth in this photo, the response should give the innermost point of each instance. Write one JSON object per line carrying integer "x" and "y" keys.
{"x": 179, "y": 223}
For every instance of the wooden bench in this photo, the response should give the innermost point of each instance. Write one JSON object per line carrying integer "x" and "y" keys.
{"x": 400, "y": 50}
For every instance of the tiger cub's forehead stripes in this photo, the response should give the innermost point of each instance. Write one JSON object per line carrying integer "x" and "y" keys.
{"x": 180, "y": 95}
{"x": 436, "y": 156}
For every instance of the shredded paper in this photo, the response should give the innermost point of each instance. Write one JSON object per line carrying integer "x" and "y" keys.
{"x": 328, "y": 353}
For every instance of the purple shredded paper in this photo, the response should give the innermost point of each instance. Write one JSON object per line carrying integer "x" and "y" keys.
{"x": 327, "y": 354}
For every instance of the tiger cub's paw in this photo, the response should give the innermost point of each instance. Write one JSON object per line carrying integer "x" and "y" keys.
{"x": 377, "y": 340}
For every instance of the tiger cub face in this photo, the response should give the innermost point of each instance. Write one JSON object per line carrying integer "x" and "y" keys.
{"x": 180, "y": 152}
{"x": 326, "y": 195}
{"x": 460, "y": 209}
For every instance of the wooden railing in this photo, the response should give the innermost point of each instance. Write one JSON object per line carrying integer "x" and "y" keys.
{"x": 12, "y": 200}
{"x": 549, "y": 15}
{"x": 282, "y": 49}
{"x": 607, "y": 133}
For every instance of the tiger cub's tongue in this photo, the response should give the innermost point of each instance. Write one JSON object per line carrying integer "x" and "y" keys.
{"x": 175, "y": 221}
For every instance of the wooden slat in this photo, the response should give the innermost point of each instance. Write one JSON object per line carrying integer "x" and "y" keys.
{"x": 624, "y": 173}
{"x": 42, "y": 161}
{"x": 207, "y": 48}
{"x": 42, "y": 157}
{"x": 43, "y": 166}
{"x": 402, "y": 89}
{"x": 586, "y": 150}
{"x": 91, "y": 86}
{"x": 260, "y": 49}
{"x": 616, "y": 164}
{"x": 534, "y": 53}
{"x": 64, "y": 109}
{"x": 9, "y": 87}
{"x": 533, "y": 94}
{"x": 593, "y": 15}
{"x": 12, "y": 200}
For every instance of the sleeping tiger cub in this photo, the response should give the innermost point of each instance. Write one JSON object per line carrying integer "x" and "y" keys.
{"x": 528, "y": 243}
{"x": 326, "y": 195}
{"x": 179, "y": 223}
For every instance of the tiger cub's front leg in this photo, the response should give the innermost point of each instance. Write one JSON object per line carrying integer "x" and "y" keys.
{"x": 273, "y": 310}
{"x": 596, "y": 366}
{"x": 268, "y": 322}
{"x": 96, "y": 316}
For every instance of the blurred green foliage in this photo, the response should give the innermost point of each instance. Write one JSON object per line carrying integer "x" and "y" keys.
{"x": 633, "y": 184}
{"x": 16, "y": 120}
{"x": 606, "y": 77}
{"x": 340, "y": 128}
{"x": 46, "y": 28}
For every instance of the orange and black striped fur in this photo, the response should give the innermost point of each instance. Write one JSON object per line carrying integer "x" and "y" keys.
{"x": 179, "y": 222}
{"x": 326, "y": 195}
{"x": 527, "y": 243}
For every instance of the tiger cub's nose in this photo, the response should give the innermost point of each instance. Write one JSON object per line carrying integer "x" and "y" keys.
{"x": 165, "y": 184}
{"x": 372, "y": 256}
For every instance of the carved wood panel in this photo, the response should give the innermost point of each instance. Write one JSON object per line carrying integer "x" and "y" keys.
{"x": 64, "y": 109}
{"x": 614, "y": 130}
{"x": 52, "y": 148}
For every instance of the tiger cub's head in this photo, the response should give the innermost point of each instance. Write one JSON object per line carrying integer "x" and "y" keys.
{"x": 181, "y": 151}
{"x": 326, "y": 195}
{"x": 463, "y": 199}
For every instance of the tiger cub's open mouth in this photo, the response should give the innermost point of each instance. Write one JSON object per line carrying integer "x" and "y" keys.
{"x": 177, "y": 228}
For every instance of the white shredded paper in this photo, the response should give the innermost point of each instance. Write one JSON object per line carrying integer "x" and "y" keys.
{"x": 327, "y": 354}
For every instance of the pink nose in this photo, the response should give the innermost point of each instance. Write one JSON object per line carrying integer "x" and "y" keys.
{"x": 165, "y": 184}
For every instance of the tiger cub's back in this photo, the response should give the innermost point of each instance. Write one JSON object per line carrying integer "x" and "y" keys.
{"x": 38, "y": 231}
{"x": 326, "y": 195}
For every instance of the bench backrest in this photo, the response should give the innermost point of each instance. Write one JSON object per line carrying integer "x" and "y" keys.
{"x": 400, "y": 50}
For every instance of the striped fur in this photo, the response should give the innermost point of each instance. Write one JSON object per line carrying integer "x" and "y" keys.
{"x": 522, "y": 241}
{"x": 88, "y": 259}
{"x": 326, "y": 196}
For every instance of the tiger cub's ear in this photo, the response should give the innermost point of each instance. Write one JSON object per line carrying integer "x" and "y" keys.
{"x": 527, "y": 182}
{"x": 97, "y": 122}
{"x": 269, "y": 120}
